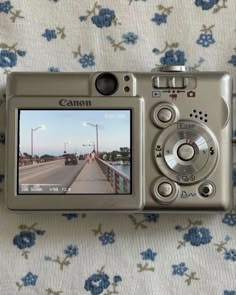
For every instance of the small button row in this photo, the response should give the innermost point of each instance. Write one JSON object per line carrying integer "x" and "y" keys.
{"x": 178, "y": 82}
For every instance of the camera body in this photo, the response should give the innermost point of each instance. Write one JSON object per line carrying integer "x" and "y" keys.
{"x": 119, "y": 141}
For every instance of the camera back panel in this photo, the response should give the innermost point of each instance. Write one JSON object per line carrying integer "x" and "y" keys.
{"x": 180, "y": 137}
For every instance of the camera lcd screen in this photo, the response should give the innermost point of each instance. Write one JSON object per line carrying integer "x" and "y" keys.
{"x": 74, "y": 152}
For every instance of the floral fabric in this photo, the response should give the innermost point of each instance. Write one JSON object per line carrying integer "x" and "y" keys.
{"x": 141, "y": 254}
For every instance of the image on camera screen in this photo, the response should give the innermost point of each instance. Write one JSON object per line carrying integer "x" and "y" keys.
{"x": 74, "y": 152}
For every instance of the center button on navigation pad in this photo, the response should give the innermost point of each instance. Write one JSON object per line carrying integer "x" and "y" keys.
{"x": 185, "y": 152}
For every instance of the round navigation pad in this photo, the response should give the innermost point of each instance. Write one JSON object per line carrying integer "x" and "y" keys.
{"x": 186, "y": 152}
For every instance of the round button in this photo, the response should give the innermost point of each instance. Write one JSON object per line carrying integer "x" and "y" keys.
{"x": 165, "y": 189}
{"x": 206, "y": 189}
{"x": 164, "y": 115}
{"x": 185, "y": 152}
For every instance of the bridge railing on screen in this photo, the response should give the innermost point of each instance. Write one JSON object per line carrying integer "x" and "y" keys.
{"x": 118, "y": 180}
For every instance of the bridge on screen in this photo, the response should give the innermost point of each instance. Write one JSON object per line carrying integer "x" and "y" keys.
{"x": 99, "y": 177}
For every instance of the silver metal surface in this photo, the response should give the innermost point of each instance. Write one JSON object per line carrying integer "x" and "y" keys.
{"x": 173, "y": 68}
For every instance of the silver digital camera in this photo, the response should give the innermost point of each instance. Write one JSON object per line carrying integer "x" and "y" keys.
{"x": 118, "y": 141}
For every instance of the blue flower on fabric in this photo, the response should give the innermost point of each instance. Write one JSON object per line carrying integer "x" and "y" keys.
{"x": 40, "y": 232}
{"x": 29, "y": 279}
{"x": 230, "y": 255}
{"x": 179, "y": 269}
{"x": 205, "y": 40}
{"x": 151, "y": 218}
{"x": 7, "y": 59}
{"x": 21, "y": 53}
{"x": 107, "y": 238}
{"x": 87, "y": 60}
{"x": 232, "y": 60}
{"x": 71, "y": 251}
{"x": 104, "y": 18}
{"x": 159, "y": 18}
{"x": 117, "y": 279}
{"x": 97, "y": 283}
{"x": 49, "y": 34}
{"x": 69, "y": 216}
{"x": 173, "y": 58}
{"x": 56, "y": 70}
{"x": 148, "y": 255}
{"x": 130, "y": 38}
{"x": 227, "y": 292}
{"x": 230, "y": 219}
{"x": 197, "y": 236}
{"x": 24, "y": 239}
{"x": 5, "y": 7}
{"x": 206, "y": 4}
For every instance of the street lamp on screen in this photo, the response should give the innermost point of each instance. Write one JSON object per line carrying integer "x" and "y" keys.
{"x": 43, "y": 127}
{"x": 65, "y": 143}
{"x": 95, "y": 126}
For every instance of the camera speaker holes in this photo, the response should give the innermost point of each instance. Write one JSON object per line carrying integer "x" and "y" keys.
{"x": 199, "y": 115}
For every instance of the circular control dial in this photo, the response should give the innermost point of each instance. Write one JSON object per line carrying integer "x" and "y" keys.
{"x": 186, "y": 152}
